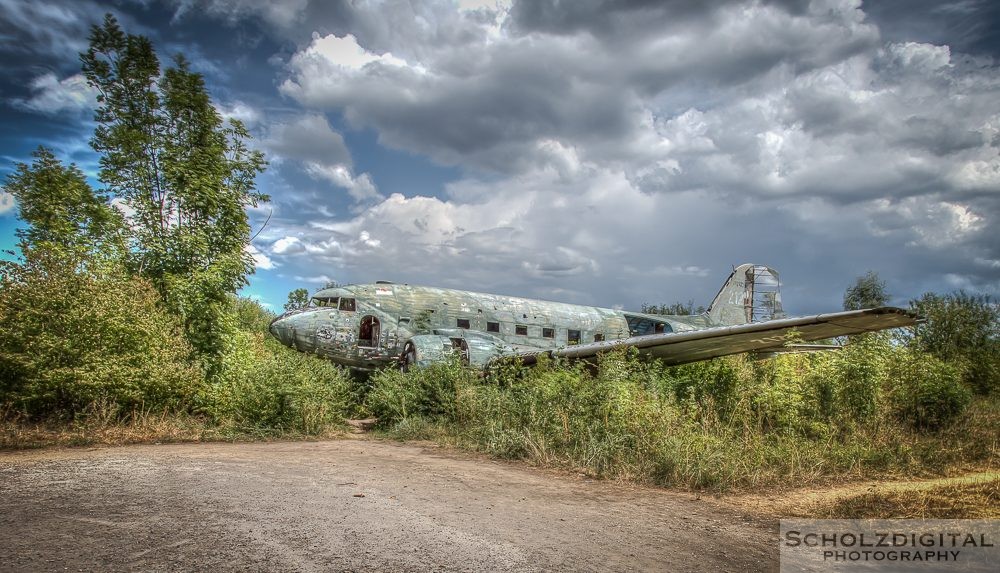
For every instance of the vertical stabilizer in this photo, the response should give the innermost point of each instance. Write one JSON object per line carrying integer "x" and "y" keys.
{"x": 751, "y": 294}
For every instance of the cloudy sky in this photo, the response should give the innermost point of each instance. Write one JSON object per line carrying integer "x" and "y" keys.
{"x": 608, "y": 153}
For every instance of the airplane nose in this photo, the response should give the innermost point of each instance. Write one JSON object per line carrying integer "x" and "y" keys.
{"x": 277, "y": 329}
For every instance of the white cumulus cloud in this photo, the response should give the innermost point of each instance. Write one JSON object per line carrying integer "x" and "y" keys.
{"x": 52, "y": 96}
{"x": 7, "y": 202}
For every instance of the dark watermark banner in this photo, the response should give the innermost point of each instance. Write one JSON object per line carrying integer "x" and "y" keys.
{"x": 890, "y": 545}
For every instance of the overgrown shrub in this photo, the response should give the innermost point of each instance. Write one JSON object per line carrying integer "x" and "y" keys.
{"x": 263, "y": 386}
{"x": 75, "y": 332}
{"x": 860, "y": 371}
{"x": 962, "y": 329}
{"x": 730, "y": 422}
{"x": 927, "y": 392}
{"x": 423, "y": 393}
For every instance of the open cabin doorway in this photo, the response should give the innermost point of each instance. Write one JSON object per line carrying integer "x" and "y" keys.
{"x": 368, "y": 333}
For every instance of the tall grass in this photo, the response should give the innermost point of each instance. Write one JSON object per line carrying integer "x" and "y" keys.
{"x": 736, "y": 422}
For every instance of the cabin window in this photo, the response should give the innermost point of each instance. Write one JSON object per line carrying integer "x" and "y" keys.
{"x": 548, "y": 332}
{"x": 520, "y": 330}
{"x": 368, "y": 333}
{"x": 347, "y": 304}
{"x": 598, "y": 337}
{"x": 463, "y": 323}
{"x": 492, "y": 327}
{"x": 573, "y": 337}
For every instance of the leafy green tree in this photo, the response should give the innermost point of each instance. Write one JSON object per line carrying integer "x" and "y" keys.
{"x": 74, "y": 337}
{"x": 866, "y": 292}
{"x": 297, "y": 299}
{"x": 964, "y": 329}
{"x": 60, "y": 207}
{"x": 166, "y": 153}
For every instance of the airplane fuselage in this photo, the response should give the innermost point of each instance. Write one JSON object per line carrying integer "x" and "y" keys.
{"x": 369, "y": 326}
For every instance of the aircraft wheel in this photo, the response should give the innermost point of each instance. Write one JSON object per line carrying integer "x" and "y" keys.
{"x": 408, "y": 359}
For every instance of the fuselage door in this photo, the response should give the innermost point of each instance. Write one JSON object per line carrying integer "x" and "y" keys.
{"x": 369, "y": 332}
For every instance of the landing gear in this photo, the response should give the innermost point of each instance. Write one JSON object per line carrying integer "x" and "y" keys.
{"x": 460, "y": 346}
{"x": 408, "y": 358}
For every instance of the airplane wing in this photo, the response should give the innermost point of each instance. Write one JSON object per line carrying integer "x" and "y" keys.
{"x": 682, "y": 347}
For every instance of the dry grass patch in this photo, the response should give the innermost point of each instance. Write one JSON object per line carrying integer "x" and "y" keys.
{"x": 102, "y": 426}
{"x": 99, "y": 427}
{"x": 972, "y": 496}
{"x": 973, "y": 499}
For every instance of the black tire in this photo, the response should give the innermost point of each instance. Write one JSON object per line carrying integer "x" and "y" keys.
{"x": 408, "y": 359}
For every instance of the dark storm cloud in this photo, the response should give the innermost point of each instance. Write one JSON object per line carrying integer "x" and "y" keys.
{"x": 968, "y": 26}
{"x": 621, "y": 19}
{"x": 307, "y": 138}
{"x": 54, "y": 31}
{"x": 491, "y": 104}
{"x": 771, "y": 120}
{"x": 614, "y": 152}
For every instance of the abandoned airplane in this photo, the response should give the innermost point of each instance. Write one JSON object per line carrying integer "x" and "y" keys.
{"x": 366, "y": 327}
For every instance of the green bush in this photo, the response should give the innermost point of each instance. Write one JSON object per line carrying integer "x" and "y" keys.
{"x": 75, "y": 332}
{"x": 424, "y": 392}
{"x": 263, "y": 386}
{"x": 730, "y": 422}
{"x": 962, "y": 329}
{"x": 860, "y": 372}
{"x": 927, "y": 392}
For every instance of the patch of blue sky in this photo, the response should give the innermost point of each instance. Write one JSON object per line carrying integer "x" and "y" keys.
{"x": 396, "y": 171}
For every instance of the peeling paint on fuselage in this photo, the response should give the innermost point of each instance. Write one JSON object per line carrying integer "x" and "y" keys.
{"x": 403, "y": 311}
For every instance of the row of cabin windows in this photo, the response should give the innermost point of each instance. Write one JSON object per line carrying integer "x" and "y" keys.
{"x": 572, "y": 336}
{"x": 349, "y": 305}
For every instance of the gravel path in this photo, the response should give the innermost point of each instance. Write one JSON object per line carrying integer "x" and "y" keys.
{"x": 349, "y": 505}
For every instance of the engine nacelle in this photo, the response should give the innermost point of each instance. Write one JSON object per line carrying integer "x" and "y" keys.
{"x": 475, "y": 348}
{"x": 425, "y": 349}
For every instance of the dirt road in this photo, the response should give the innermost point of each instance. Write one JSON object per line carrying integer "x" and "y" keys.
{"x": 349, "y": 505}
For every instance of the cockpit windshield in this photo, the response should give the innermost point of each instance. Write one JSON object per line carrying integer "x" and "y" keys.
{"x": 641, "y": 326}
{"x": 318, "y": 301}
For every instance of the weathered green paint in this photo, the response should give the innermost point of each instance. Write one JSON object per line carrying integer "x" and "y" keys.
{"x": 419, "y": 325}
{"x": 404, "y": 311}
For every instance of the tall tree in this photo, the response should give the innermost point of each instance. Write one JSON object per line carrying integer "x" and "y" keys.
{"x": 60, "y": 207}
{"x": 866, "y": 292}
{"x": 166, "y": 152}
{"x": 297, "y": 299}
{"x": 964, "y": 329}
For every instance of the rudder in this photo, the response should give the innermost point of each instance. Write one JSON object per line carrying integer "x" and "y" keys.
{"x": 750, "y": 294}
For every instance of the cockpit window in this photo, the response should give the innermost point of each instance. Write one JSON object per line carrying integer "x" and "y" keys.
{"x": 347, "y": 304}
{"x": 641, "y": 326}
{"x": 317, "y": 301}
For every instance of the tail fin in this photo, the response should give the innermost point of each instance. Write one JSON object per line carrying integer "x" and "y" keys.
{"x": 751, "y": 294}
